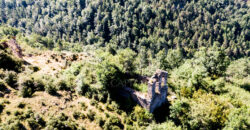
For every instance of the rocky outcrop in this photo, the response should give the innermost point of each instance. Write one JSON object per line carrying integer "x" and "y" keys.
{"x": 157, "y": 92}
{"x": 15, "y": 48}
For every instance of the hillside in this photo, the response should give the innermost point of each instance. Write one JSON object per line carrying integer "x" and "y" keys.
{"x": 124, "y": 64}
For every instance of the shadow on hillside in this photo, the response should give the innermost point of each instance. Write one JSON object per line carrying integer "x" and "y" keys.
{"x": 245, "y": 86}
{"x": 162, "y": 113}
{"x": 126, "y": 103}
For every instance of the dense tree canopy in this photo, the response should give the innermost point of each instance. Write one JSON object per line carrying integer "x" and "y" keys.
{"x": 202, "y": 44}
{"x": 187, "y": 24}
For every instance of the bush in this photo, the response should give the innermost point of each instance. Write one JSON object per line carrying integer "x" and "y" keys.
{"x": 33, "y": 124}
{"x": 28, "y": 114}
{"x": 13, "y": 125}
{"x": 62, "y": 85}
{"x": 238, "y": 119}
{"x": 203, "y": 111}
{"x": 9, "y": 62}
{"x": 91, "y": 115}
{"x": 8, "y": 112}
{"x": 1, "y": 107}
{"x": 83, "y": 106}
{"x": 215, "y": 86}
{"x": 39, "y": 84}
{"x": 112, "y": 107}
{"x": 21, "y": 105}
{"x": 143, "y": 117}
{"x": 126, "y": 60}
{"x": 179, "y": 111}
{"x": 234, "y": 71}
{"x": 215, "y": 61}
{"x": 11, "y": 79}
{"x": 26, "y": 86}
{"x": 81, "y": 87}
{"x": 113, "y": 123}
{"x": 50, "y": 88}
{"x": 76, "y": 115}
{"x": 61, "y": 122}
{"x": 93, "y": 102}
{"x": 3, "y": 87}
{"x": 168, "y": 125}
{"x": 110, "y": 76}
{"x": 173, "y": 59}
{"x": 100, "y": 121}
{"x": 188, "y": 78}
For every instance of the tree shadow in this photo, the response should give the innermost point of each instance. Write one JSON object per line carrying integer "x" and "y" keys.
{"x": 162, "y": 113}
{"x": 123, "y": 99}
{"x": 245, "y": 86}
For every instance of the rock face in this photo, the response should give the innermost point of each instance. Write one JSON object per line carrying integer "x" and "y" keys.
{"x": 157, "y": 92}
{"x": 15, "y": 48}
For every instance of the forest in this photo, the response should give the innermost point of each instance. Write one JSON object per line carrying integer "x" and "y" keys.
{"x": 78, "y": 54}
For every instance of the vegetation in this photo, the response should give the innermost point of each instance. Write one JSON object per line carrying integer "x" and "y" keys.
{"x": 78, "y": 55}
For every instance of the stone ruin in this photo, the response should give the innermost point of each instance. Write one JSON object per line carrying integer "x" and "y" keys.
{"x": 157, "y": 92}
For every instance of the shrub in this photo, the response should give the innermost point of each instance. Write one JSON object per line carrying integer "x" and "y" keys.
{"x": 93, "y": 102}
{"x": 141, "y": 116}
{"x": 83, "y": 106}
{"x": 26, "y": 86}
{"x": 81, "y": 87}
{"x": 61, "y": 122}
{"x": 3, "y": 87}
{"x": 39, "y": 120}
{"x": 11, "y": 79}
{"x": 173, "y": 59}
{"x": 109, "y": 75}
{"x": 21, "y": 105}
{"x": 91, "y": 115}
{"x": 179, "y": 111}
{"x": 33, "y": 124}
{"x": 234, "y": 71}
{"x": 76, "y": 115}
{"x": 82, "y": 116}
{"x": 62, "y": 85}
{"x": 9, "y": 62}
{"x": 2, "y": 73}
{"x": 88, "y": 73}
{"x": 113, "y": 123}
{"x": 112, "y": 107}
{"x": 8, "y": 112}
{"x": 50, "y": 88}
{"x": 1, "y": 107}
{"x": 168, "y": 125}
{"x": 100, "y": 121}
{"x": 126, "y": 60}
{"x": 215, "y": 86}
{"x": 14, "y": 125}
{"x": 215, "y": 61}
{"x": 207, "y": 111}
{"x": 189, "y": 75}
{"x": 18, "y": 113}
{"x": 28, "y": 114}
{"x": 238, "y": 119}
{"x": 39, "y": 84}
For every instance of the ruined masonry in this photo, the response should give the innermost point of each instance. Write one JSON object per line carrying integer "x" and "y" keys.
{"x": 157, "y": 92}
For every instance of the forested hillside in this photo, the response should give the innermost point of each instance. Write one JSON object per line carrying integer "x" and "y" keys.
{"x": 137, "y": 24}
{"x": 64, "y": 64}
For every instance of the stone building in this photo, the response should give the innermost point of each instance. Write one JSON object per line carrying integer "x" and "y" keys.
{"x": 157, "y": 91}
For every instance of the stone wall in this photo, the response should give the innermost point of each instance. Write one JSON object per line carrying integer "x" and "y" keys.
{"x": 157, "y": 92}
